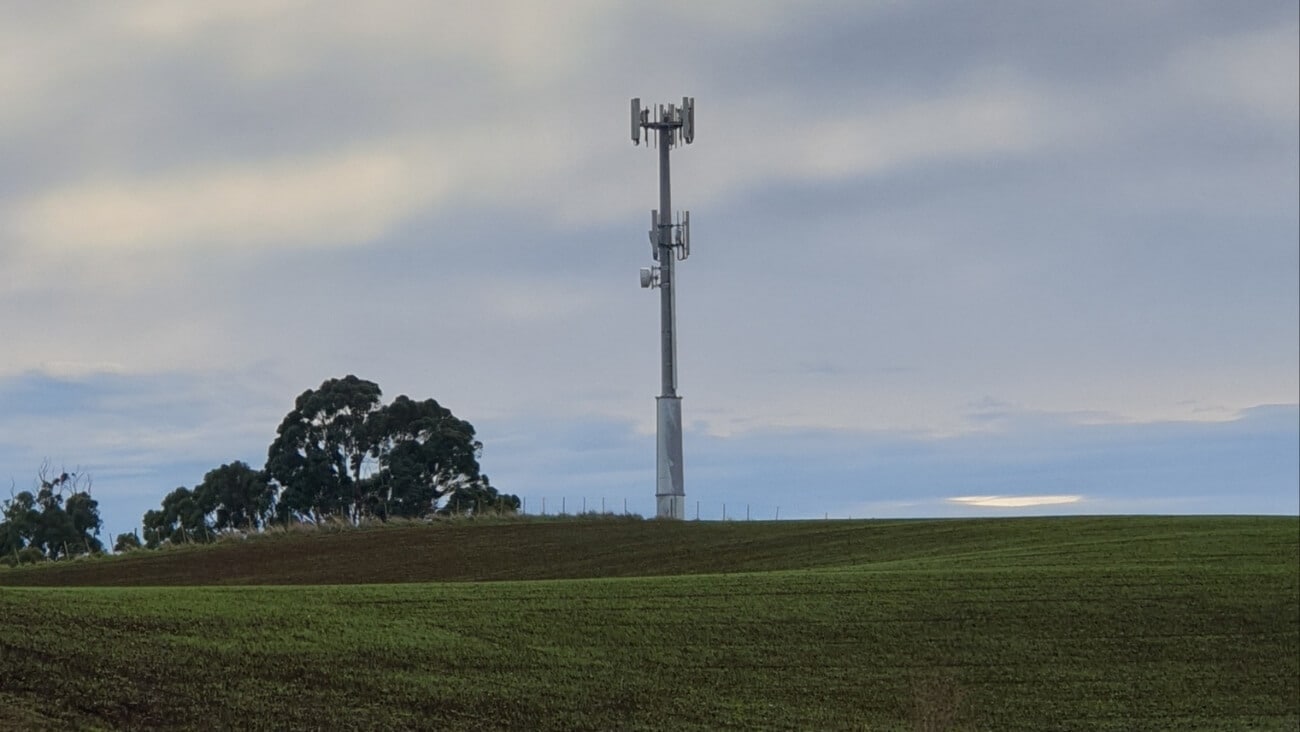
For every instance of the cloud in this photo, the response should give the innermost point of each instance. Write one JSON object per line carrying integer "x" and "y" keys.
{"x": 1251, "y": 73}
{"x": 111, "y": 418}
{"x": 183, "y": 24}
{"x": 1013, "y": 501}
{"x": 900, "y": 209}
{"x": 72, "y": 370}
{"x": 345, "y": 199}
{"x": 979, "y": 118}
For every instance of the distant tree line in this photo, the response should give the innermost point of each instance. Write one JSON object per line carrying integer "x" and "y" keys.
{"x": 59, "y": 520}
{"x": 341, "y": 454}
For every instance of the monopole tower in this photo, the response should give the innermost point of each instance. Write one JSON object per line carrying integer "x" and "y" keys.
{"x": 667, "y": 126}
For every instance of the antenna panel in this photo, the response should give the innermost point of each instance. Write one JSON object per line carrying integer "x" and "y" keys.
{"x": 688, "y": 119}
{"x": 682, "y": 238}
{"x": 686, "y": 234}
{"x": 654, "y": 235}
{"x": 636, "y": 120}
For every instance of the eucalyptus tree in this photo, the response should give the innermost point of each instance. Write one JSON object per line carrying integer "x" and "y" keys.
{"x": 425, "y": 453}
{"x": 319, "y": 453}
{"x": 59, "y": 519}
{"x": 240, "y": 497}
{"x": 342, "y": 453}
{"x": 182, "y": 519}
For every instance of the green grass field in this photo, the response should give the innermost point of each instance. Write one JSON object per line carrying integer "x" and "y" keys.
{"x": 1069, "y": 623}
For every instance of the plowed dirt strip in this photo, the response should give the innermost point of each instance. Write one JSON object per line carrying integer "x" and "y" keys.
{"x": 581, "y": 548}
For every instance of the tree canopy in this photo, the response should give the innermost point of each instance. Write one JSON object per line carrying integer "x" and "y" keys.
{"x": 320, "y": 449}
{"x": 60, "y": 519}
{"x": 233, "y": 497}
{"x": 339, "y": 454}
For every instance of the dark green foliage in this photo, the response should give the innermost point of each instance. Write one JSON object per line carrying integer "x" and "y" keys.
{"x": 30, "y": 555}
{"x": 126, "y": 542}
{"x": 425, "y": 454}
{"x": 56, "y": 535}
{"x": 83, "y": 514}
{"x": 320, "y": 449}
{"x": 60, "y": 520}
{"x": 21, "y": 523}
{"x": 183, "y": 519}
{"x": 341, "y": 453}
{"x": 240, "y": 497}
{"x": 10, "y": 540}
{"x": 479, "y": 497}
{"x": 233, "y": 497}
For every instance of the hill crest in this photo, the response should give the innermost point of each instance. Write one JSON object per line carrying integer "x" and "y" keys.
{"x": 577, "y": 548}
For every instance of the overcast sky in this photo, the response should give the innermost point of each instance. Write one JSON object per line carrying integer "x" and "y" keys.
{"x": 941, "y": 251}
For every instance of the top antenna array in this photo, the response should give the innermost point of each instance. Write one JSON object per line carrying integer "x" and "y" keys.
{"x": 679, "y": 121}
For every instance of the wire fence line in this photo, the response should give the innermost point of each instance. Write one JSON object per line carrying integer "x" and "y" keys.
{"x": 696, "y": 510}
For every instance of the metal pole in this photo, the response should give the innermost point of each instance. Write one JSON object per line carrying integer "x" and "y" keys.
{"x": 672, "y": 125}
{"x": 667, "y": 299}
{"x": 670, "y": 490}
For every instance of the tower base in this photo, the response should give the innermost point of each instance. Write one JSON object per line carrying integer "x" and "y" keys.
{"x": 670, "y": 507}
{"x": 670, "y": 493}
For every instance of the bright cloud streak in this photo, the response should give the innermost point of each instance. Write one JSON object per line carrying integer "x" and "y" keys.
{"x": 1014, "y": 501}
{"x": 341, "y": 199}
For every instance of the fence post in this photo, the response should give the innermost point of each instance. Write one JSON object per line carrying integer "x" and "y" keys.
{"x": 724, "y": 512}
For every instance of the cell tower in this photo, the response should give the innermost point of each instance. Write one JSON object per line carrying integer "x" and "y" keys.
{"x": 671, "y": 126}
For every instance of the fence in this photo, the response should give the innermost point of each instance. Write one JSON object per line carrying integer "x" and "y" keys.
{"x": 696, "y": 510}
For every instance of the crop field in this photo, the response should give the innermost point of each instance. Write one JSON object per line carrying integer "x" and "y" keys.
{"x": 1071, "y": 623}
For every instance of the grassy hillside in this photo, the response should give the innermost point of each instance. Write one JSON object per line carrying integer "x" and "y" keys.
{"x": 1117, "y": 623}
{"x": 588, "y": 548}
